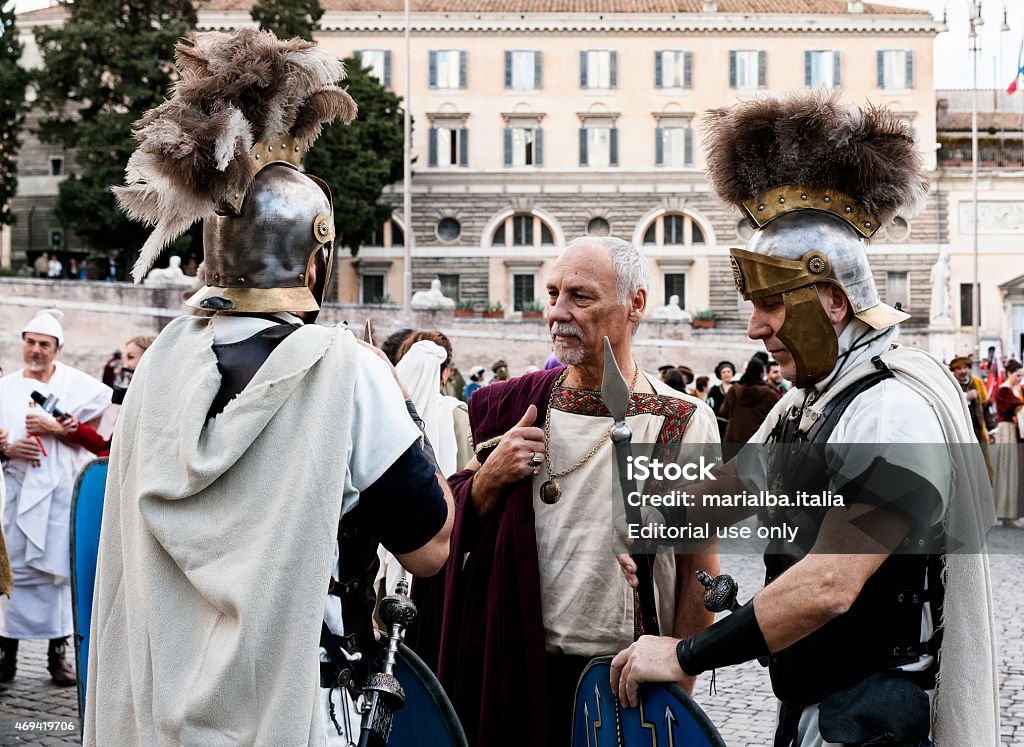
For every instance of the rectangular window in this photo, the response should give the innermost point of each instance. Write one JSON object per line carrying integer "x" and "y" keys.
{"x": 897, "y": 289}
{"x": 821, "y": 68}
{"x": 523, "y": 146}
{"x": 450, "y": 286}
{"x": 598, "y": 146}
{"x": 522, "y": 70}
{"x": 967, "y": 306}
{"x": 672, "y": 69}
{"x": 598, "y": 69}
{"x": 522, "y": 291}
{"x": 379, "y": 62}
{"x": 372, "y": 288}
{"x": 895, "y": 69}
{"x": 448, "y": 146}
{"x": 675, "y": 285}
{"x": 447, "y": 69}
{"x": 56, "y": 167}
{"x": 747, "y": 70}
{"x": 674, "y": 146}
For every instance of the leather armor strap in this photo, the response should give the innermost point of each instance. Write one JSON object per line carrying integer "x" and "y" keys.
{"x": 732, "y": 640}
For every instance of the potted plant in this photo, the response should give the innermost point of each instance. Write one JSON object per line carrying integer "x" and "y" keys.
{"x": 465, "y": 309}
{"x": 533, "y": 310}
{"x": 495, "y": 311}
{"x": 703, "y": 319}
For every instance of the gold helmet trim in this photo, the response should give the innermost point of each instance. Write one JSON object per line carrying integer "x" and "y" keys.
{"x": 258, "y": 300}
{"x": 789, "y": 197}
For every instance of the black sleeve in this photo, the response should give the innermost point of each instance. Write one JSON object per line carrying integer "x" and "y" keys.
{"x": 893, "y": 487}
{"x": 405, "y": 507}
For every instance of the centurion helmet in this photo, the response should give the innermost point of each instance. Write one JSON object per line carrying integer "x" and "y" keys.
{"x": 816, "y": 179}
{"x": 227, "y": 149}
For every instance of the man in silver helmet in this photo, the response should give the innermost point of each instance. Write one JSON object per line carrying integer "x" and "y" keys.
{"x": 852, "y": 616}
{"x": 231, "y": 606}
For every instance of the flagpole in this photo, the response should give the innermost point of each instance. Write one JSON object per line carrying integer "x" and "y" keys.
{"x": 407, "y": 175}
{"x": 975, "y": 48}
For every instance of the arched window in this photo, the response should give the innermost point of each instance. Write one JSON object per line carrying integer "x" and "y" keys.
{"x": 673, "y": 229}
{"x": 522, "y": 230}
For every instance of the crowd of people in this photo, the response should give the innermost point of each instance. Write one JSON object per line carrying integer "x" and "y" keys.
{"x": 270, "y": 477}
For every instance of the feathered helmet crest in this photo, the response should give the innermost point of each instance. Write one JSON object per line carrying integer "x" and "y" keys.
{"x": 242, "y": 100}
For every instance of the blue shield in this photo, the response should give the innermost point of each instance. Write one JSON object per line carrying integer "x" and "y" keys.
{"x": 427, "y": 720}
{"x": 666, "y": 716}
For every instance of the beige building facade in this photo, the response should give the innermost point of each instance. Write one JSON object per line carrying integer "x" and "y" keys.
{"x": 532, "y": 128}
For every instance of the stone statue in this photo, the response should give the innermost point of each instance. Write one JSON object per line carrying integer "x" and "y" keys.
{"x": 671, "y": 312}
{"x": 170, "y": 276}
{"x": 940, "y": 309}
{"x": 433, "y": 298}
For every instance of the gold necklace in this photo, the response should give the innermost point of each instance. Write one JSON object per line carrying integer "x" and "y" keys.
{"x": 551, "y": 491}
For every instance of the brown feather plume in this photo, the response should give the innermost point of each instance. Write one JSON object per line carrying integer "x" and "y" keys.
{"x": 233, "y": 90}
{"x": 813, "y": 140}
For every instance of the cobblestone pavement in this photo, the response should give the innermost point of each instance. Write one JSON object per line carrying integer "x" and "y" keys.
{"x": 742, "y": 706}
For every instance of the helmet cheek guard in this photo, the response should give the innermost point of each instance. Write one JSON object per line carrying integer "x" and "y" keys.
{"x": 809, "y": 336}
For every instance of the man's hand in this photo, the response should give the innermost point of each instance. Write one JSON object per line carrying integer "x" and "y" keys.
{"x": 650, "y": 659}
{"x": 43, "y": 425}
{"x": 25, "y": 448}
{"x": 70, "y": 423}
{"x": 515, "y": 458}
{"x": 971, "y": 395}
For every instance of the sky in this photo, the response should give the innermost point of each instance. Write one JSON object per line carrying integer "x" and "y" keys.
{"x": 997, "y": 60}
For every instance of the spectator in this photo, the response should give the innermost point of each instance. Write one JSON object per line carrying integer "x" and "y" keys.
{"x": 54, "y": 268}
{"x": 775, "y": 381}
{"x": 700, "y": 388}
{"x": 664, "y": 369}
{"x": 39, "y": 470}
{"x": 724, "y": 371}
{"x": 500, "y": 369}
{"x": 1008, "y": 484}
{"x": 476, "y": 376}
{"x": 42, "y": 265}
{"x": 746, "y": 406}
{"x": 393, "y": 342}
{"x": 675, "y": 379}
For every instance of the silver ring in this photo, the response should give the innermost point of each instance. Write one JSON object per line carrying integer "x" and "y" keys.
{"x": 536, "y": 470}
{"x": 536, "y": 458}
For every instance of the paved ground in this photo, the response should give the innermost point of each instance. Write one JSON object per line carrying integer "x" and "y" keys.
{"x": 742, "y": 706}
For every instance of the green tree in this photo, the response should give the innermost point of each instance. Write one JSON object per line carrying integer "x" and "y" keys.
{"x": 360, "y": 159}
{"x": 288, "y": 18}
{"x": 104, "y": 68}
{"x": 13, "y": 79}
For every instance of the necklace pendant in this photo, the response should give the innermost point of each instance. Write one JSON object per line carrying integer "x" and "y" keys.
{"x": 550, "y": 492}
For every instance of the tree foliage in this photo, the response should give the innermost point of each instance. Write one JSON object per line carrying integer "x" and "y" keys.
{"x": 13, "y": 79}
{"x": 359, "y": 160}
{"x": 103, "y": 69}
{"x": 288, "y": 18}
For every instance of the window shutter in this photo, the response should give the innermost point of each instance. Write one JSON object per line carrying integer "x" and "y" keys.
{"x": 508, "y": 146}
{"x": 538, "y": 146}
{"x": 658, "y": 80}
{"x": 659, "y": 147}
{"x": 538, "y": 69}
{"x": 613, "y": 146}
{"x": 583, "y": 146}
{"x": 432, "y": 159}
{"x": 837, "y": 70}
{"x": 463, "y": 147}
{"x": 433, "y": 70}
{"x": 613, "y": 75}
{"x": 910, "y": 69}
{"x": 687, "y": 69}
{"x": 732, "y": 69}
{"x": 880, "y": 64}
{"x": 688, "y": 147}
{"x": 762, "y": 69}
{"x": 387, "y": 68}
{"x": 583, "y": 69}
{"x": 508, "y": 69}
{"x": 462, "y": 69}
{"x": 807, "y": 68}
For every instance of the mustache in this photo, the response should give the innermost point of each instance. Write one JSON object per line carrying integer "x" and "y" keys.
{"x": 564, "y": 328}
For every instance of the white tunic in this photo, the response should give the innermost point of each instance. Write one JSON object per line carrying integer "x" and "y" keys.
{"x": 37, "y": 513}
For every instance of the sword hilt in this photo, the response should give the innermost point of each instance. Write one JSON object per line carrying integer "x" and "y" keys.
{"x": 719, "y": 593}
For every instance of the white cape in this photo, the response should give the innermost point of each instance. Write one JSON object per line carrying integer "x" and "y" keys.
{"x": 216, "y": 547}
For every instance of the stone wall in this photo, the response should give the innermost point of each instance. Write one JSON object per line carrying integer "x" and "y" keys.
{"x": 100, "y": 316}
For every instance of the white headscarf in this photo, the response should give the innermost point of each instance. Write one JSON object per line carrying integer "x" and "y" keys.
{"x": 47, "y": 322}
{"x": 420, "y": 374}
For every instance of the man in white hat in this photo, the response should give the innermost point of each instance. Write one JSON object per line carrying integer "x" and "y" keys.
{"x": 39, "y": 475}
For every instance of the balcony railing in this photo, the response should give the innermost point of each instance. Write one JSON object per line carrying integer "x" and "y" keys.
{"x": 990, "y": 155}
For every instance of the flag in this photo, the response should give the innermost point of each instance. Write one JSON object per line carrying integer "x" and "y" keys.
{"x": 1012, "y": 88}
